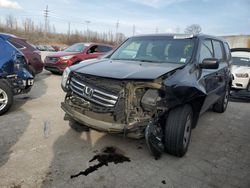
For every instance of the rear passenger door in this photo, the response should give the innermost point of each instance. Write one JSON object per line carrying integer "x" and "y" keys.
{"x": 208, "y": 79}
{"x": 222, "y": 72}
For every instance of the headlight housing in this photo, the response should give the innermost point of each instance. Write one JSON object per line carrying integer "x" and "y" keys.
{"x": 65, "y": 78}
{"x": 66, "y": 57}
{"x": 242, "y": 75}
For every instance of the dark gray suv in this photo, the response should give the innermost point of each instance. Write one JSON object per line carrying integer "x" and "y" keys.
{"x": 155, "y": 86}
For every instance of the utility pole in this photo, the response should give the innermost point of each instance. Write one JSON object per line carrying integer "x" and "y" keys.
{"x": 46, "y": 15}
{"x": 87, "y": 24}
{"x": 68, "y": 31}
{"x": 116, "y": 30}
{"x": 133, "y": 30}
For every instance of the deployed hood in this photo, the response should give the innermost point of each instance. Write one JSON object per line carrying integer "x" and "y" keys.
{"x": 61, "y": 54}
{"x": 119, "y": 69}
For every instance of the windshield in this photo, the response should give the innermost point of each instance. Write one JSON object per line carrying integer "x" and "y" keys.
{"x": 241, "y": 61}
{"x": 156, "y": 49}
{"x": 79, "y": 47}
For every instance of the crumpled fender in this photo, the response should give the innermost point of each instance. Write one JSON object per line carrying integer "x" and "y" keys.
{"x": 24, "y": 74}
{"x": 183, "y": 86}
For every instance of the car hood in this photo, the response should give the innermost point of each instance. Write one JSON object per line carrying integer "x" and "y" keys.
{"x": 119, "y": 69}
{"x": 61, "y": 54}
{"x": 240, "y": 69}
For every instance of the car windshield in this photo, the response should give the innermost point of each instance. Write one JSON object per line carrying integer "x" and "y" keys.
{"x": 79, "y": 47}
{"x": 156, "y": 49}
{"x": 241, "y": 61}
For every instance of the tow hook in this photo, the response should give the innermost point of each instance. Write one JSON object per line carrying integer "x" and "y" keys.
{"x": 154, "y": 138}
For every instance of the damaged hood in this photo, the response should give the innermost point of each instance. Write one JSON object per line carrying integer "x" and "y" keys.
{"x": 120, "y": 69}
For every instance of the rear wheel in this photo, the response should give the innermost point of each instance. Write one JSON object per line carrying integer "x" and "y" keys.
{"x": 178, "y": 130}
{"x": 6, "y": 97}
{"x": 222, "y": 103}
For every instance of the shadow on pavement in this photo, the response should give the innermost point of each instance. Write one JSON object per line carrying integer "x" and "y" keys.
{"x": 15, "y": 122}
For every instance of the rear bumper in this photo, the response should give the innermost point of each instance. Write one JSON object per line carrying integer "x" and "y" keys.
{"x": 55, "y": 67}
{"x": 101, "y": 125}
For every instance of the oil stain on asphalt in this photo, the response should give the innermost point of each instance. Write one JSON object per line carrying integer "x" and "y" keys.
{"x": 108, "y": 155}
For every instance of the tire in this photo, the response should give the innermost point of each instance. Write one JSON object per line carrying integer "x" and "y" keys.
{"x": 178, "y": 130}
{"x": 6, "y": 98}
{"x": 221, "y": 105}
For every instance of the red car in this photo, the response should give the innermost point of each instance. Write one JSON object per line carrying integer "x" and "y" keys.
{"x": 32, "y": 55}
{"x": 58, "y": 61}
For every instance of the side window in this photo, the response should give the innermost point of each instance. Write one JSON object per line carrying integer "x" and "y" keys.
{"x": 93, "y": 49}
{"x": 104, "y": 49}
{"x": 218, "y": 52}
{"x": 206, "y": 50}
{"x": 1, "y": 47}
{"x": 17, "y": 45}
{"x": 228, "y": 53}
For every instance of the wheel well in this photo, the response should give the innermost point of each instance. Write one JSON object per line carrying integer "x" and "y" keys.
{"x": 196, "y": 105}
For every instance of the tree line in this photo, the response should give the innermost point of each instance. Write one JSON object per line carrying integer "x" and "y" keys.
{"x": 36, "y": 34}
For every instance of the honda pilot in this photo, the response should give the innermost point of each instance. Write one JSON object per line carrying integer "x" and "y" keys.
{"x": 155, "y": 86}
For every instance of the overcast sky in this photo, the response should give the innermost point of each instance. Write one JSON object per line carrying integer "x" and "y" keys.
{"x": 218, "y": 17}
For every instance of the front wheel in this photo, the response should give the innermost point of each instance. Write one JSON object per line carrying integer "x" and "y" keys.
{"x": 6, "y": 97}
{"x": 178, "y": 130}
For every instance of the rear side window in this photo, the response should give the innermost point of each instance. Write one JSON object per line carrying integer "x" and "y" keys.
{"x": 218, "y": 52}
{"x": 1, "y": 47}
{"x": 17, "y": 45}
{"x": 104, "y": 48}
{"x": 206, "y": 50}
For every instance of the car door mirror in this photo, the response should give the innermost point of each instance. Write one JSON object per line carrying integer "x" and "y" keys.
{"x": 209, "y": 63}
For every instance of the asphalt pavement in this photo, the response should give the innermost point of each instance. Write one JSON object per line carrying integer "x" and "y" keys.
{"x": 39, "y": 149}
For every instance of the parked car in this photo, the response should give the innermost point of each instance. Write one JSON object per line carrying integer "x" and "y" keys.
{"x": 241, "y": 68}
{"x": 32, "y": 55}
{"x": 41, "y": 47}
{"x": 14, "y": 77}
{"x": 58, "y": 61}
{"x": 56, "y": 48}
{"x": 152, "y": 85}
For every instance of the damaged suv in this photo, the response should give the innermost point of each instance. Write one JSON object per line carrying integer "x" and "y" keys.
{"x": 155, "y": 86}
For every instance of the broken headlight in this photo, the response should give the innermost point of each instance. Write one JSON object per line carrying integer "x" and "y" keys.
{"x": 65, "y": 78}
{"x": 150, "y": 99}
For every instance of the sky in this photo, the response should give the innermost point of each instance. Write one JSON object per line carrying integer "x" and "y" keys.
{"x": 216, "y": 17}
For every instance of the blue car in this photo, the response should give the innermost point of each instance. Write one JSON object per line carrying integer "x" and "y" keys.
{"x": 14, "y": 77}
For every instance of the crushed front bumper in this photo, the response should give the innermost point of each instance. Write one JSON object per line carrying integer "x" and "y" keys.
{"x": 131, "y": 130}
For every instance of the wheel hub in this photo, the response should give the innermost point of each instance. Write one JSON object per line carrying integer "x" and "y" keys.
{"x": 3, "y": 99}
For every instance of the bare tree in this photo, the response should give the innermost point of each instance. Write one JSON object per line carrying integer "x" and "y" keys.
{"x": 193, "y": 29}
{"x": 10, "y": 21}
{"x": 28, "y": 25}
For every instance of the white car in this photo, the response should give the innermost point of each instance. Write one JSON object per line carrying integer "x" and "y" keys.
{"x": 240, "y": 68}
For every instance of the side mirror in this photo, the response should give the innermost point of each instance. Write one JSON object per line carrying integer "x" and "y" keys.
{"x": 209, "y": 63}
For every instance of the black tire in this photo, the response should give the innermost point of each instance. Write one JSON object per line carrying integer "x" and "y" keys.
{"x": 178, "y": 130}
{"x": 5, "y": 93}
{"x": 221, "y": 105}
